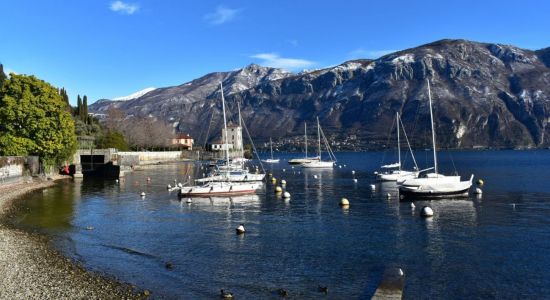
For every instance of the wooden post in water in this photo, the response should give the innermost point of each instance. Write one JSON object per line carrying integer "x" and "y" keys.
{"x": 391, "y": 286}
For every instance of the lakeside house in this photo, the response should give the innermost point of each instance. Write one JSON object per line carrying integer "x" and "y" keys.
{"x": 183, "y": 141}
{"x": 219, "y": 146}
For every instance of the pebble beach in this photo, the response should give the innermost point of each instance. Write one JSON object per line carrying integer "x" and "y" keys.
{"x": 31, "y": 269}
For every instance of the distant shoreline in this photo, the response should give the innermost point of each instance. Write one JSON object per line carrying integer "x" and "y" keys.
{"x": 32, "y": 269}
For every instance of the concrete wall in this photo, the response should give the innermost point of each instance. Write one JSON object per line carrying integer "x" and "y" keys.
{"x": 145, "y": 157}
{"x": 18, "y": 166}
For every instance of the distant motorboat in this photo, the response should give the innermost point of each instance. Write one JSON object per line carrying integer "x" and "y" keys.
{"x": 434, "y": 185}
{"x": 320, "y": 163}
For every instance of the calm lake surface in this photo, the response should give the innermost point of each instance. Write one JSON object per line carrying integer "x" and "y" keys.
{"x": 495, "y": 246}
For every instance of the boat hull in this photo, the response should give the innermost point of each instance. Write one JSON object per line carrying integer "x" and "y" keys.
{"x": 233, "y": 178}
{"x": 396, "y": 176}
{"x": 408, "y": 195}
{"x": 434, "y": 186}
{"x": 318, "y": 165}
{"x": 298, "y": 161}
{"x": 211, "y": 190}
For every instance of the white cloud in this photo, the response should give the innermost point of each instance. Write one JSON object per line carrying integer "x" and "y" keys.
{"x": 362, "y": 53}
{"x": 275, "y": 61}
{"x": 124, "y": 8}
{"x": 222, "y": 15}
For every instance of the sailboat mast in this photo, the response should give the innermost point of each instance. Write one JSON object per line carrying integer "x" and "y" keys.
{"x": 319, "y": 137}
{"x": 305, "y": 136}
{"x": 271, "y": 147}
{"x": 241, "y": 127}
{"x": 433, "y": 130}
{"x": 398, "y": 141}
{"x": 225, "y": 131}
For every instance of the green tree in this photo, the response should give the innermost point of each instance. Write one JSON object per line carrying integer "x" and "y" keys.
{"x": 78, "y": 106}
{"x": 34, "y": 121}
{"x": 84, "y": 115}
{"x": 113, "y": 139}
{"x": 3, "y": 76}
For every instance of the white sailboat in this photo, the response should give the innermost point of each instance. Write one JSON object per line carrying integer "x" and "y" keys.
{"x": 223, "y": 187}
{"x": 271, "y": 160}
{"x": 320, "y": 163}
{"x": 297, "y": 161}
{"x": 235, "y": 170}
{"x": 395, "y": 172}
{"x": 434, "y": 185}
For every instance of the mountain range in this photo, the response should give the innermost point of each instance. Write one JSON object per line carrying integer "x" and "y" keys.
{"x": 485, "y": 95}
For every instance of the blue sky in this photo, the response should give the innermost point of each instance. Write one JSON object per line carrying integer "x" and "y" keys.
{"x": 106, "y": 48}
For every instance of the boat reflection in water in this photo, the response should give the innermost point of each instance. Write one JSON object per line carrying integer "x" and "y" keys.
{"x": 250, "y": 202}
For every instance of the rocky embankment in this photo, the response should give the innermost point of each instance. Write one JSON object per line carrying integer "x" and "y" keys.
{"x": 31, "y": 269}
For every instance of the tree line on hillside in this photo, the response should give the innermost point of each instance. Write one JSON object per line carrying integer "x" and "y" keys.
{"x": 140, "y": 133}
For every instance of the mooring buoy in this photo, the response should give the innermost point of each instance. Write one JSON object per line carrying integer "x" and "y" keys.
{"x": 427, "y": 212}
{"x": 344, "y": 202}
{"x": 240, "y": 229}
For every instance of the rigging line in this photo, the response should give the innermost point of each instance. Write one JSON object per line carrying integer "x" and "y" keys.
{"x": 329, "y": 149}
{"x": 407, "y": 139}
{"x": 254, "y": 147}
{"x": 387, "y": 142}
{"x": 209, "y": 124}
{"x": 452, "y": 160}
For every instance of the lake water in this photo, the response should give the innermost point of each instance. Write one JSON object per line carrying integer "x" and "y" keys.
{"x": 496, "y": 246}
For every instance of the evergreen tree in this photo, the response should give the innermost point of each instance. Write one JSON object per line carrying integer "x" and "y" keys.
{"x": 78, "y": 106}
{"x": 3, "y": 76}
{"x": 84, "y": 115}
{"x": 63, "y": 94}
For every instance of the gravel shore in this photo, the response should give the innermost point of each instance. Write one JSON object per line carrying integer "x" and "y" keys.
{"x": 31, "y": 269}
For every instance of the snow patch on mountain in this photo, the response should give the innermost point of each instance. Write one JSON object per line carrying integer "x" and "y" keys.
{"x": 135, "y": 95}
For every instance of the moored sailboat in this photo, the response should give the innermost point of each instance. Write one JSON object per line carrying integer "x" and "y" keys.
{"x": 297, "y": 161}
{"x": 434, "y": 185}
{"x": 271, "y": 160}
{"x": 395, "y": 172}
{"x": 222, "y": 184}
{"x": 320, "y": 163}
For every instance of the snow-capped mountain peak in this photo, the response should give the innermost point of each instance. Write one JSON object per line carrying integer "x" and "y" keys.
{"x": 135, "y": 95}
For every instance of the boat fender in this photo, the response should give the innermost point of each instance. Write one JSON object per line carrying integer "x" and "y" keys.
{"x": 478, "y": 191}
